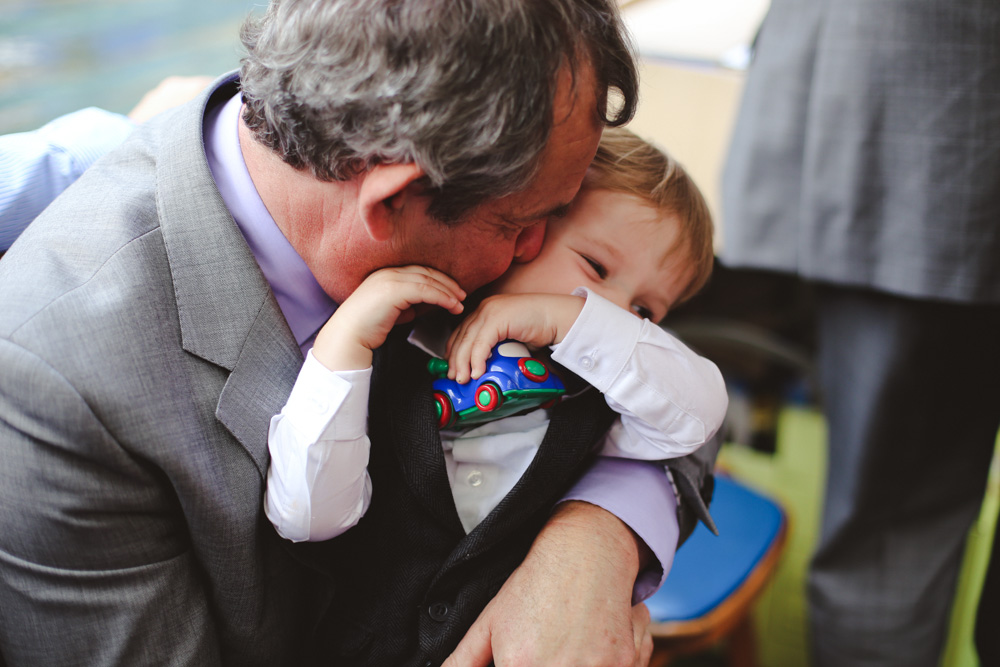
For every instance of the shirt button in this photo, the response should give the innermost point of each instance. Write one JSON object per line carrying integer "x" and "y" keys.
{"x": 318, "y": 405}
{"x": 475, "y": 478}
{"x": 586, "y": 363}
{"x": 438, "y": 611}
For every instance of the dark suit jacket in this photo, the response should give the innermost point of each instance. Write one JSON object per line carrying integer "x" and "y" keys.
{"x": 867, "y": 148}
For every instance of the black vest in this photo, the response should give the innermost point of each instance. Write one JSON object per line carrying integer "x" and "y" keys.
{"x": 408, "y": 581}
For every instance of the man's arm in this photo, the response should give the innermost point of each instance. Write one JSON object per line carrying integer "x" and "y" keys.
{"x": 570, "y": 601}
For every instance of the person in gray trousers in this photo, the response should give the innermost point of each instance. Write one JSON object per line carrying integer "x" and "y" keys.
{"x": 866, "y": 158}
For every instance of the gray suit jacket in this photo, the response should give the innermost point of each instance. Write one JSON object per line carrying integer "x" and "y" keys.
{"x": 141, "y": 354}
{"x": 867, "y": 148}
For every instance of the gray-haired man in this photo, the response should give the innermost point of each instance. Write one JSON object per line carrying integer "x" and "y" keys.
{"x": 156, "y": 314}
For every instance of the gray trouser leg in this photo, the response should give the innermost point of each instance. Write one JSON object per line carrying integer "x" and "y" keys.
{"x": 912, "y": 397}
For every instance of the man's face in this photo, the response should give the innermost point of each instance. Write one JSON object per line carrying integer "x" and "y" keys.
{"x": 479, "y": 248}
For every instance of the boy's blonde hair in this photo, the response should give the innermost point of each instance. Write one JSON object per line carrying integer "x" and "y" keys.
{"x": 625, "y": 163}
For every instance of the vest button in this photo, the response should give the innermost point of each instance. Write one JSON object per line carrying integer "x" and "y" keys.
{"x": 438, "y": 611}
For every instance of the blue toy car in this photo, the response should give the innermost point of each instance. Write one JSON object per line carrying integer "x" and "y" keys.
{"x": 514, "y": 382}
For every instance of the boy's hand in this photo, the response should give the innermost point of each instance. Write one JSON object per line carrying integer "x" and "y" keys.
{"x": 534, "y": 319}
{"x": 385, "y": 298}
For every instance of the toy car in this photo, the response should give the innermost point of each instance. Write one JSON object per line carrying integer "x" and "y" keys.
{"x": 514, "y": 382}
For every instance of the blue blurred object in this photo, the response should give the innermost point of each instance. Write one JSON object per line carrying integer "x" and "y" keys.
{"x": 707, "y": 569}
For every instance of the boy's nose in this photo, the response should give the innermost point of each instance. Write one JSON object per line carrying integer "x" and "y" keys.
{"x": 529, "y": 243}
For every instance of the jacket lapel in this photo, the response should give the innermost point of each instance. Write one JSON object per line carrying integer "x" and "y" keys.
{"x": 228, "y": 315}
{"x": 260, "y": 383}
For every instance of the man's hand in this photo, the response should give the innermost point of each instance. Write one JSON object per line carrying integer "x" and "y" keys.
{"x": 569, "y": 603}
{"x": 385, "y": 298}
{"x": 534, "y": 319}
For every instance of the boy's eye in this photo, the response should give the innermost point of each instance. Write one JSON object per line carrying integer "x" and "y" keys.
{"x": 642, "y": 312}
{"x": 598, "y": 268}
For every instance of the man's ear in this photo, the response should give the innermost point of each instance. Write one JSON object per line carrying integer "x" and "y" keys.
{"x": 382, "y": 194}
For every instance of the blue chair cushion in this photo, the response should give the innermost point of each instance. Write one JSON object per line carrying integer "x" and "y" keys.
{"x": 708, "y": 568}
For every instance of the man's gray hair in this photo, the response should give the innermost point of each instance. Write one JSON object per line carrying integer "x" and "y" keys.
{"x": 462, "y": 88}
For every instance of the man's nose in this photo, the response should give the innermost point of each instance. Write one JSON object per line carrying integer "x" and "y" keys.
{"x": 529, "y": 243}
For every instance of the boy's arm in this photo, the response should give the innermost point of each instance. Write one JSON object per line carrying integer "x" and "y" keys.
{"x": 317, "y": 483}
{"x": 670, "y": 399}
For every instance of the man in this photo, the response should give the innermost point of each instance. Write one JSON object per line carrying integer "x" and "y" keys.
{"x": 866, "y": 157}
{"x": 156, "y": 314}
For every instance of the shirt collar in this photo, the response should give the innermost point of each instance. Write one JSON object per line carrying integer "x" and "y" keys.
{"x": 303, "y": 302}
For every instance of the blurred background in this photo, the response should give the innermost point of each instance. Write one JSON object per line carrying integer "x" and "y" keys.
{"x": 57, "y": 56}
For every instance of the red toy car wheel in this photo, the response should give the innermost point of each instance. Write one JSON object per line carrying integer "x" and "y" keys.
{"x": 488, "y": 397}
{"x": 533, "y": 369}
{"x": 445, "y": 412}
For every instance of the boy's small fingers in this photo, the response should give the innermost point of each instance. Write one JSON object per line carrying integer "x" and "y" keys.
{"x": 440, "y": 277}
{"x": 480, "y": 354}
{"x": 462, "y": 366}
{"x": 426, "y": 292}
{"x": 459, "y": 364}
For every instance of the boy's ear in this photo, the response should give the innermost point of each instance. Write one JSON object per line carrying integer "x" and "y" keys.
{"x": 382, "y": 194}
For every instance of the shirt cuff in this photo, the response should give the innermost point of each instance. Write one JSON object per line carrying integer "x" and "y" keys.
{"x": 585, "y": 350}
{"x": 640, "y": 494}
{"x": 320, "y": 394}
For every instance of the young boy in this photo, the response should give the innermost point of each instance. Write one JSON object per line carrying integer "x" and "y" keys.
{"x": 636, "y": 241}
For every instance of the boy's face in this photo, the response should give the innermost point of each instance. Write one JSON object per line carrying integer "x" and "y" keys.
{"x": 614, "y": 244}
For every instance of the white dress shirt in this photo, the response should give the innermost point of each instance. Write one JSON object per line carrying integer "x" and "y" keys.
{"x": 670, "y": 401}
